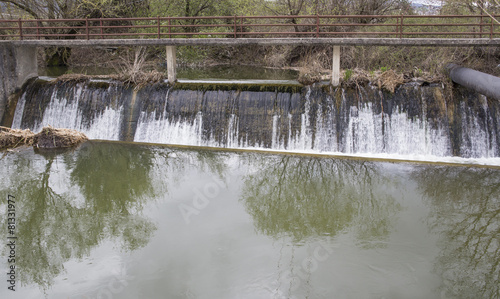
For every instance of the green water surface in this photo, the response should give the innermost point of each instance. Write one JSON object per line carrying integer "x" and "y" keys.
{"x": 114, "y": 220}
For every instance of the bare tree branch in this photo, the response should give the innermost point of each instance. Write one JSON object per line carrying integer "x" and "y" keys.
{"x": 486, "y": 12}
{"x": 22, "y": 7}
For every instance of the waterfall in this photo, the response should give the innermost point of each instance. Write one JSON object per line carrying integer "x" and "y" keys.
{"x": 478, "y": 134}
{"x": 90, "y": 109}
{"x": 413, "y": 121}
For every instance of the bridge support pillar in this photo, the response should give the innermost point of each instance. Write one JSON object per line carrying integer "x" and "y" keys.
{"x": 171, "y": 64}
{"x": 336, "y": 66}
{"x": 17, "y": 65}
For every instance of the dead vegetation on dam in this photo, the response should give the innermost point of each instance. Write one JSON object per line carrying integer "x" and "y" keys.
{"x": 48, "y": 138}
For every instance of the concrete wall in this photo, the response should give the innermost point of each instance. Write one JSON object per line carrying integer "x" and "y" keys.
{"x": 17, "y": 64}
{"x": 293, "y": 41}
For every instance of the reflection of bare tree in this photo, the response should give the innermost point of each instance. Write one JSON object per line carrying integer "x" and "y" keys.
{"x": 308, "y": 196}
{"x": 56, "y": 224}
{"x": 68, "y": 203}
{"x": 212, "y": 162}
{"x": 466, "y": 214}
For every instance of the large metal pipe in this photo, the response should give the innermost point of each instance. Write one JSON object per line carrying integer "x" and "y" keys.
{"x": 482, "y": 83}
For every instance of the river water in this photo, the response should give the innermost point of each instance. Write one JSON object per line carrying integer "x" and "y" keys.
{"x": 122, "y": 220}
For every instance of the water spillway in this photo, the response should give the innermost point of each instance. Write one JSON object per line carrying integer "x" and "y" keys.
{"x": 414, "y": 120}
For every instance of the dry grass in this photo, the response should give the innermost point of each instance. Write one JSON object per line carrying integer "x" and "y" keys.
{"x": 134, "y": 77}
{"x": 390, "y": 80}
{"x": 308, "y": 76}
{"x": 432, "y": 60}
{"x": 140, "y": 78}
{"x": 276, "y": 56}
{"x": 48, "y": 138}
{"x": 11, "y": 138}
{"x": 357, "y": 78}
{"x": 131, "y": 70}
{"x": 312, "y": 67}
{"x": 370, "y": 58}
{"x": 51, "y": 137}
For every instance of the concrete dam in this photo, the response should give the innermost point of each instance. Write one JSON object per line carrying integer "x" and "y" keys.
{"x": 413, "y": 121}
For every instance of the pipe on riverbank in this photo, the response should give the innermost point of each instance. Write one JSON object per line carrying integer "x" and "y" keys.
{"x": 482, "y": 83}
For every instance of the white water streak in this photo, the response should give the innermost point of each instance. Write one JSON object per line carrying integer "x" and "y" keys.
{"x": 184, "y": 132}
{"x": 18, "y": 114}
{"x": 61, "y": 114}
{"x": 476, "y": 142}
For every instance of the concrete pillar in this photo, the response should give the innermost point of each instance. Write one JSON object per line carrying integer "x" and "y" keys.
{"x": 336, "y": 66}
{"x": 17, "y": 64}
{"x": 171, "y": 64}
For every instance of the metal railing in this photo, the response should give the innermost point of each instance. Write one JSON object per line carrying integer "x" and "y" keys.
{"x": 318, "y": 26}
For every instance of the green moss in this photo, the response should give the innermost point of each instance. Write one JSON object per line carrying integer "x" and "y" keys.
{"x": 98, "y": 84}
{"x": 347, "y": 74}
{"x": 327, "y": 88}
{"x": 284, "y": 88}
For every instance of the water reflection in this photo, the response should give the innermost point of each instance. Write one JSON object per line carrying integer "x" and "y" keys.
{"x": 305, "y": 197}
{"x": 324, "y": 226}
{"x": 466, "y": 213}
{"x": 68, "y": 203}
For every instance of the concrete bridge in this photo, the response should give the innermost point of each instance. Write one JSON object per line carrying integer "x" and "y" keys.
{"x": 24, "y": 54}
{"x": 21, "y": 38}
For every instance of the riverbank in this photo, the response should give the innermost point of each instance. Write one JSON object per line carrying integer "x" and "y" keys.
{"x": 139, "y": 66}
{"x": 411, "y": 62}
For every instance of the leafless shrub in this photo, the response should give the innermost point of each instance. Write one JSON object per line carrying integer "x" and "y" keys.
{"x": 131, "y": 70}
{"x": 277, "y": 56}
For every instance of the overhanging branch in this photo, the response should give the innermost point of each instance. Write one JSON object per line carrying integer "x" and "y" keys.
{"x": 491, "y": 16}
{"x": 22, "y": 7}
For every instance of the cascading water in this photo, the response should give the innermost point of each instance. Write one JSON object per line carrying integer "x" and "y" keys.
{"x": 415, "y": 120}
{"x": 89, "y": 108}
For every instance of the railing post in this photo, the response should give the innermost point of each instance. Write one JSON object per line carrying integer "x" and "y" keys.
{"x": 159, "y": 27}
{"x": 235, "y": 31}
{"x": 87, "y": 28}
{"x": 317, "y": 26}
{"x": 169, "y": 27}
{"x": 401, "y": 27}
{"x": 481, "y": 25}
{"x": 241, "y": 25}
{"x": 491, "y": 29}
{"x": 20, "y": 29}
{"x": 100, "y": 25}
{"x": 37, "y": 29}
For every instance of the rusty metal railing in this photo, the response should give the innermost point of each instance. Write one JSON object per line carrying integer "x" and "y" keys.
{"x": 318, "y": 26}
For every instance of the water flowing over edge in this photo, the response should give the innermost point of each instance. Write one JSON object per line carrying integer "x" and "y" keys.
{"x": 415, "y": 123}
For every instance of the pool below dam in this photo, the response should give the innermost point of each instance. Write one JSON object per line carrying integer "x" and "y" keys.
{"x": 118, "y": 220}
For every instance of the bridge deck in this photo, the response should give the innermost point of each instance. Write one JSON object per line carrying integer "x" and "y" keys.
{"x": 437, "y": 42}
